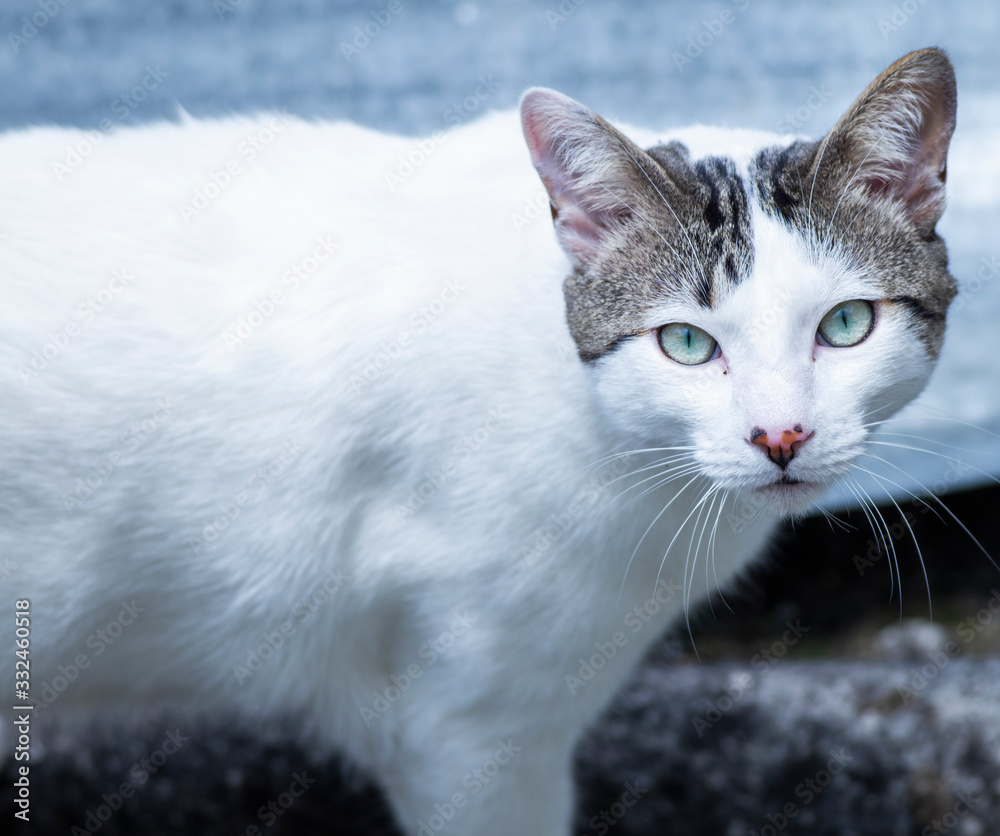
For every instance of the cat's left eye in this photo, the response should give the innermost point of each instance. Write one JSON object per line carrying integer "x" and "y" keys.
{"x": 847, "y": 324}
{"x": 687, "y": 344}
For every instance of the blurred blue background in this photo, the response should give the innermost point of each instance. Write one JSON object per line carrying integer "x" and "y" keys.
{"x": 759, "y": 59}
{"x": 413, "y": 67}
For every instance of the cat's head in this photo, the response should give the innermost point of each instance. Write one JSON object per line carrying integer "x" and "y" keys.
{"x": 764, "y": 306}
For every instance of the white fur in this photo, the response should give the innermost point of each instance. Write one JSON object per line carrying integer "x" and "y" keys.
{"x": 473, "y": 213}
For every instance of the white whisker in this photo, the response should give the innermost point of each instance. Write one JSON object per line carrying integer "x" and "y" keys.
{"x": 665, "y": 477}
{"x": 646, "y": 532}
{"x": 920, "y": 556}
{"x": 889, "y": 544}
{"x": 938, "y": 500}
{"x": 681, "y": 226}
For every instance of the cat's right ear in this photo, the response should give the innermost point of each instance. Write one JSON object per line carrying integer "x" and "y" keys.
{"x": 893, "y": 142}
{"x": 594, "y": 175}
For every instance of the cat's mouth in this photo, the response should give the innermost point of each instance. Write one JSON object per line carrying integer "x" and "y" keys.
{"x": 788, "y": 495}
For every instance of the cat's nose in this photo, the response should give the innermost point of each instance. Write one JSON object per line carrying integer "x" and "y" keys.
{"x": 780, "y": 447}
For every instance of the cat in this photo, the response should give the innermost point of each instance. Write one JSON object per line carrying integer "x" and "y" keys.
{"x": 303, "y": 420}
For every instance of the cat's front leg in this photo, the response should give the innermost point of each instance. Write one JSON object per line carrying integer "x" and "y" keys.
{"x": 475, "y": 784}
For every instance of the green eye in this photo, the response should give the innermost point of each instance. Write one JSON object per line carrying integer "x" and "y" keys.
{"x": 847, "y": 324}
{"x": 687, "y": 344}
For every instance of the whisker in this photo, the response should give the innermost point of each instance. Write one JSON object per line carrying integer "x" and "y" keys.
{"x": 857, "y": 490}
{"x": 712, "y": 541}
{"x": 682, "y": 227}
{"x": 833, "y": 519}
{"x": 938, "y": 415}
{"x": 850, "y": 182}
{"x": 652, "y": 466}
{"x": 920, "y": 557}
{"x": 890, "y": 544}
{"x": 811, "y": 230}
{"x": 915, "y": 497}
{"x": 701, "y": 536}
{"x": 812, "y": 188}
{"x": 938, "y": 500}
{"x": 626, "y": 453}
{"x": 665, "y": 477}
{"x": 680, "y": 528}
{"x": 645, "y": 220}
{"x": 646, "y": 532}
{"x": 978, "y": 470}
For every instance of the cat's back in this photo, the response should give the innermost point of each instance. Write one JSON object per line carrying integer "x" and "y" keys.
{"x": 269, "y": 280}
{"x": 227, "y": 345}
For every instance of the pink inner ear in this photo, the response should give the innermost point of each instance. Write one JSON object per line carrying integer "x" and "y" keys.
{"x": 578, "y": 233}
{"x": 558, "y": 131}
{"x": 532, "y": 137}
{"x": 899, "y": 131}
{"x": 916, "y": 181}
{"x": 893, "y": 179}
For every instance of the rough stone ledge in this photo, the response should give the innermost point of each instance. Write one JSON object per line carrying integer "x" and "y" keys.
{"x": 809, "y": 748}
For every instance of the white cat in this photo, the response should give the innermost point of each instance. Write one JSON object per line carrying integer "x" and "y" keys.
{"x": 300, "y": 419}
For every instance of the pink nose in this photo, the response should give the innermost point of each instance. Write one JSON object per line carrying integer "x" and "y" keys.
{"x": 780, "y": 447}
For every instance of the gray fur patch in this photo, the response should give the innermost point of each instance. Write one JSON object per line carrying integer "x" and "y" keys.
{"x": 870, "y": 193}
{"x": 686, "y": 235}
{"x": 836, "y": 213}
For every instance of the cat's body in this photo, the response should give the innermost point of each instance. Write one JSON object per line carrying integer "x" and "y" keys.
{"x": 336, "y": 409}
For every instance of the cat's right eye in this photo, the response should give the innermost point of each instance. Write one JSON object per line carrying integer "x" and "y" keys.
{"x": 687, "y": 344}
{"x": 847, "y": 324}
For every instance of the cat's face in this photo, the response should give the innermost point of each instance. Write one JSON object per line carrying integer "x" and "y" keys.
{"x": 766, "y": 308}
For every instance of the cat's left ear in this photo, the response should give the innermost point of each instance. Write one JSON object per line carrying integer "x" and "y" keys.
{"x": 893, "y": 141}
{"x": 597, "y": 178}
